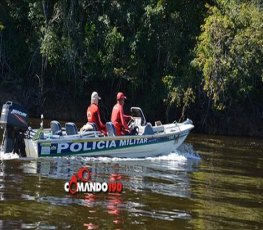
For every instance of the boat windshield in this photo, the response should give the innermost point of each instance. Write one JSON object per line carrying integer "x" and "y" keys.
{"x": 137, "y": 113}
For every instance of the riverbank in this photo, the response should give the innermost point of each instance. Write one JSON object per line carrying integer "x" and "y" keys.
{"x": 238, "y": 124}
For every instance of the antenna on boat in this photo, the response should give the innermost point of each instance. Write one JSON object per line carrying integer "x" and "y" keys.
{"x": 41, "y": 123}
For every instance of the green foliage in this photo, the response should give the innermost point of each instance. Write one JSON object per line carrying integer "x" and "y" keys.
{"x": 174, "y": 94}
{"x": 68, "y": 48}
{"x": 50, "y": 46}
{"x": 127, "y": 45}
{"x": 1, "y": 26}
{"x": 230, "y": 53}
{"x": 113, "y": 41}
{"x": 178, "y": 95}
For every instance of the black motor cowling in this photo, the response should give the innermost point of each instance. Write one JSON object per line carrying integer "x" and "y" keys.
{"x": 14, "y": 120}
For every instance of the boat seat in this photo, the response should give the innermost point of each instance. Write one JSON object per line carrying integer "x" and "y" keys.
{"x": 71, "y": 128}
{"x": 158, "y": 123}
{"x": 55, "y": 128}
{"x": 111, "y": 131}
{"x": 148, "y": 129}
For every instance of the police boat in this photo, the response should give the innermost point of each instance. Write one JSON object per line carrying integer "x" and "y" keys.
{"x": 147, "y": 140}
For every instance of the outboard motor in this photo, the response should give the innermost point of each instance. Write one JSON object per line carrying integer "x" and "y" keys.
{"x": 14, "y": 121}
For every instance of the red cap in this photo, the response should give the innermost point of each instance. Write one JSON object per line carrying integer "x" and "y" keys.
{"x": 121, "y": 95}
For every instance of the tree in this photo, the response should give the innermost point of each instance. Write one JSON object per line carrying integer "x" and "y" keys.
{"x": 229, "y": 53}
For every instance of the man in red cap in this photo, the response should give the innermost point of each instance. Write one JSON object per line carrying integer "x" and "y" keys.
{"x": 118, "y": 118}
{"x": 93, "y": 113}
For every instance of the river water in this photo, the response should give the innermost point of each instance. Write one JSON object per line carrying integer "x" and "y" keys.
{"x": 211, "y": 182}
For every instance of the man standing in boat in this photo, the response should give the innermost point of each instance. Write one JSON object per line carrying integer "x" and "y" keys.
{"x": 93, "y": 113}
{"x": 118, "y": 118}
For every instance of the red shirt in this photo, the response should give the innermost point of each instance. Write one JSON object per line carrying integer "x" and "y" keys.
{"x": 118, "y": 119}
{"x": 93, "y": 115}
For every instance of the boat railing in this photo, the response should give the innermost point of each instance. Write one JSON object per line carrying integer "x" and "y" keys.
{"x": 45, "y": 134}
{"x": 158, "y": 129}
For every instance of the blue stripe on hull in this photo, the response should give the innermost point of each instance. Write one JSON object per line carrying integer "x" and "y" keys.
{"x": 88, "y": 147}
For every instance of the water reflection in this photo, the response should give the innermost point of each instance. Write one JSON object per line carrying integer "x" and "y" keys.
{"x": 1, "y": 181}
{"x": 228, "y": 186}
{"x": 167, "y": 178}
{"x": 138, "y": 174}
{"x": 39, "y": 184}
{"x": 223, "y": 190}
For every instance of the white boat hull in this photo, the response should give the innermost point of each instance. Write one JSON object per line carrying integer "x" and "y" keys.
{"x": 117, "y": 146}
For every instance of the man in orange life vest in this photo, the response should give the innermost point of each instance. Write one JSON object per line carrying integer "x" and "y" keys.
{"x": 118, "y": 118}
{"x": 93, "y": 113}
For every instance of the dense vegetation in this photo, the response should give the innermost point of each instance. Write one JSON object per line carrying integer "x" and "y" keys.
{"x": 175, "y": 59}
